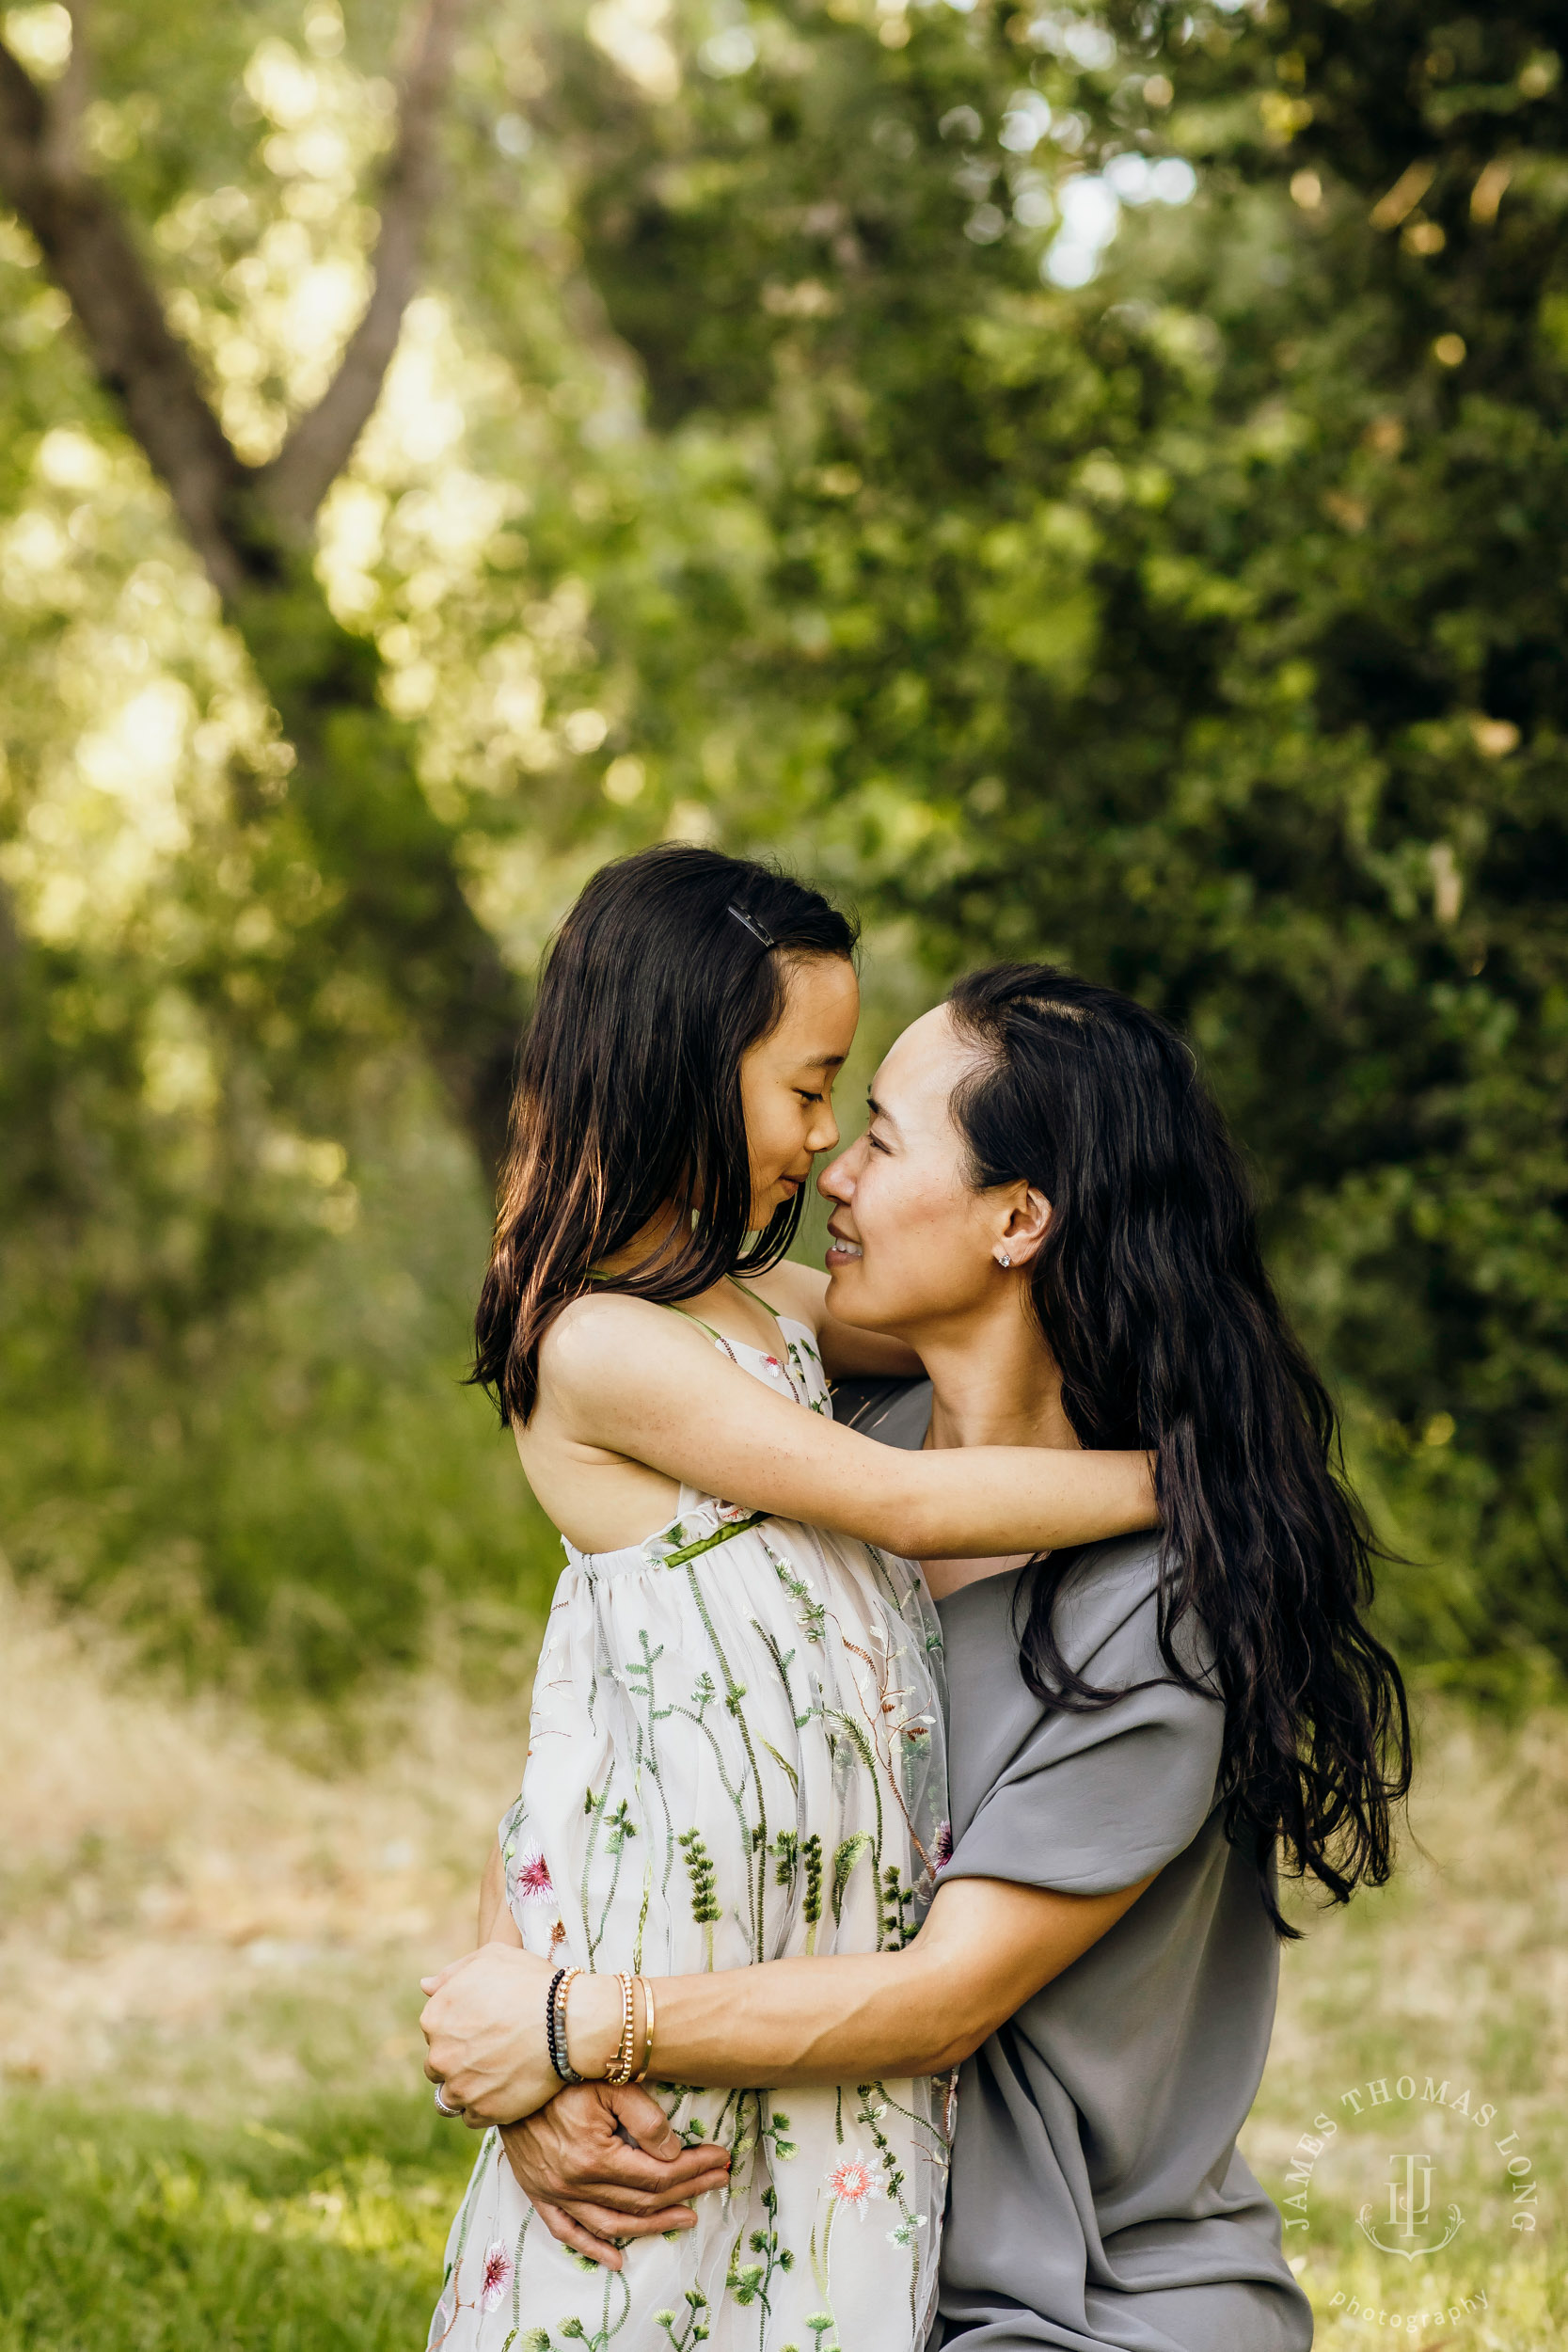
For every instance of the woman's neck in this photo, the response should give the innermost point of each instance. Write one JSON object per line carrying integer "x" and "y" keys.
{"x": 995, "y": 1382}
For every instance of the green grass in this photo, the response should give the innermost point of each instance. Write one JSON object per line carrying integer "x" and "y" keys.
{"x": 1451, "y": 1974}
{"x": 122, "y": 2231}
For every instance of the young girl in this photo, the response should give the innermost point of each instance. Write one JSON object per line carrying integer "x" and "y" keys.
{"x": 736, "y": 1748}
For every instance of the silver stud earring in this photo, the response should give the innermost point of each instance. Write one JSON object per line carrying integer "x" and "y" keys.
{"x": 1002, "y": 1258}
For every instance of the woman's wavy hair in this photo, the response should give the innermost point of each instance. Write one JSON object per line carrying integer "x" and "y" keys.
{"x": 668, "y": 970}
{"x": 1151, "y": 1293}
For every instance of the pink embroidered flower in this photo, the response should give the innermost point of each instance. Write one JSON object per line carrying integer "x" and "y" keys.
{"x": 497, "y": 2275}
{"x": 851, "y": 2182}
{"x": 534, "y": 1877}
{"x": 773, "y": 1364}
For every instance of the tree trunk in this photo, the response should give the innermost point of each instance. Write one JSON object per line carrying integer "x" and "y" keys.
{"x": 404, "y": 917}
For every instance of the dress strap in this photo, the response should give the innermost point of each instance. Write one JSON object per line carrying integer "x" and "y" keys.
{"x": 670, "y": 1308}
{"x": 745, "y": 1291}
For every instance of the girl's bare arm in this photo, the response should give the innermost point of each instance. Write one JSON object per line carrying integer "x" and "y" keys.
{"x": 629, "y": 1378}
{"x": 496, "y": 1923}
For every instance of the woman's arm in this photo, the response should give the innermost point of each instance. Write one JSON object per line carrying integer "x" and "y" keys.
{"x": 986, "y": 1949}
{"x": 658, "y": 1393}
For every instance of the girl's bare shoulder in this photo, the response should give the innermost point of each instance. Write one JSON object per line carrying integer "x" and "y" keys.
{"x": 602, "y": 1335}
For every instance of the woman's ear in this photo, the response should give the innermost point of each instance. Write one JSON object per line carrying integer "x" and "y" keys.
{"x": 1028, "y": 1222}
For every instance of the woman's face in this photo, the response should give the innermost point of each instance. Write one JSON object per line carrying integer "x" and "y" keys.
{"x": 913, "y": 1242}
{"x": 787, "y": 1082}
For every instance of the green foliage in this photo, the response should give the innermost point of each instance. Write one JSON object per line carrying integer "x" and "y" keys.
{"x": 1197, "y": 628}
{"x": 292, "y": 1486}
{"x": 758, "y": 469}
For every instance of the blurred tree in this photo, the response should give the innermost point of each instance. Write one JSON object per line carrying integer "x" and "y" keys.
{"x": 401, "y": 908}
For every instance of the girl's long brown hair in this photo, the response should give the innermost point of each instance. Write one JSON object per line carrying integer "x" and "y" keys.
{"x": 667, "y": 971}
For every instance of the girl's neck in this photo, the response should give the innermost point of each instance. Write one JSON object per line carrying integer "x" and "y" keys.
{"x": 994, "y": 1383}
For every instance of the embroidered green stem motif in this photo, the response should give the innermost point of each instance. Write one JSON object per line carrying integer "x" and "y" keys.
{"x": 786, "y": 1848}
{"x": 756, "y": 1888}
{"x": 844, "y": 1863}
{"x": 691, "y": 2328}
{"x": 705, "y": 1902}
{"x": 573, "y": 2331}
{"x": 751, "y": 2282}
{"x": 811, "y": 1909}
{"x": 812, "y": 1614}
{"x": 897, "y": 1899}
{"x": 617, "y": 1827}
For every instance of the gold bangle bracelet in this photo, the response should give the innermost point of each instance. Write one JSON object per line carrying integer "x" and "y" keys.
{"x": 620, "y": 2073}
{"x": 648, "y": 2029}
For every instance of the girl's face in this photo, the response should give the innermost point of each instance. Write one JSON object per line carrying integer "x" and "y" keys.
{"x": 914, "y": 1244}
{"x": 786, "y": 1081}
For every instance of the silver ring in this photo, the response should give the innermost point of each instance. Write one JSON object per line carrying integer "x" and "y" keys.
{"x": 441, "y": 2107}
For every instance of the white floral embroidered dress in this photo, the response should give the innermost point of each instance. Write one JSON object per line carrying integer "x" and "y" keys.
{"x": 736, "y": 1755}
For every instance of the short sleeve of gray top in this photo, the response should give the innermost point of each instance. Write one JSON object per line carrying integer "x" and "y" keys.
{"x": 1098, "y": 2198}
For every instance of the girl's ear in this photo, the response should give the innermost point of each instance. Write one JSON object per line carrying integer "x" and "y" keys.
{"x": 1028, "y": 1222}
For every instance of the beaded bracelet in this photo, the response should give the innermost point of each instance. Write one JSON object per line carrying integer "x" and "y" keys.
{"x": 550, "y": 2017}
{"x": 555, "y": 2024}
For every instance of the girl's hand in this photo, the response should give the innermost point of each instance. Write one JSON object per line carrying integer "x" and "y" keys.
{"x": 485, "y": 2024}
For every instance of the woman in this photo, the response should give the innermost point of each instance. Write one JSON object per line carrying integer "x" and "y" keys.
{"x": 736, "y": 1747}
{"x": 1047, "y": 1206}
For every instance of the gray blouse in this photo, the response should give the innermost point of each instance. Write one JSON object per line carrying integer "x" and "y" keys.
{"x": 1098, "y": 2198}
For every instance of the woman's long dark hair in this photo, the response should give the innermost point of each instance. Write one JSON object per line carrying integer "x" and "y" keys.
{"x": 1151, "y": 1293}
{"x": 667, "y": 971}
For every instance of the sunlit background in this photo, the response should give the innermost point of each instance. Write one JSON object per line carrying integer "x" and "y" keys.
{"x": 1085, "y": 483}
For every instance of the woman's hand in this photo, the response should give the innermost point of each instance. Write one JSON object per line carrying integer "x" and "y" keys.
{"x": 485, "y": 2024}
{"x": 590, "y": 2187}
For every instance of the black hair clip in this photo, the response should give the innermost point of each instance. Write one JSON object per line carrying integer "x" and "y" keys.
{"x": 755, "y": 929}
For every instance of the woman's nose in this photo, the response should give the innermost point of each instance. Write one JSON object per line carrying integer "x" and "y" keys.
{"x": 837, "y": 1179}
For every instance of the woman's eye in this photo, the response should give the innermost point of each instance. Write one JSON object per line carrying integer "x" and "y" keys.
{"x": 874, "y": 1143}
